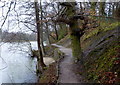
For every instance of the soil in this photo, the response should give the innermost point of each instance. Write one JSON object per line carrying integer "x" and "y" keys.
{"x": 49, "y": 75}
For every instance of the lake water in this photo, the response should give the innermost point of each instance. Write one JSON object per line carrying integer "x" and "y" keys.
{"x": 16, "y": 66}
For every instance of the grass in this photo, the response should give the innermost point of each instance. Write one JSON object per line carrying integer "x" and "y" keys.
{"x": 102, "y": 64}
{"x": 97, "y": 64}
{"x": 62, "y": 33}
{"x": 109, "y": 26}
{"x": 104, "y": 26}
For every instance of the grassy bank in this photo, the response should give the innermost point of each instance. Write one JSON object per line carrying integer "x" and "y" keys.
{"x": 101, "y": 47}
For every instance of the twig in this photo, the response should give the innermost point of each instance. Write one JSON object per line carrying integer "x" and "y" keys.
{"x": 7, "y": 14}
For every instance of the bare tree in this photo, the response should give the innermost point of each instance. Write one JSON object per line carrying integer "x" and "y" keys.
{"x": 40, "y": 57}
{"x": 41, "y": 29}
{"x": 71, "y": 18}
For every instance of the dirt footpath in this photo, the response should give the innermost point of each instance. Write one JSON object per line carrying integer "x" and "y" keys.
{"x": 67, "y": 74}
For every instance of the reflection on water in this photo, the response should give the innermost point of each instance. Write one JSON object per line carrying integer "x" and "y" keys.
{"x": 16, "y": 66}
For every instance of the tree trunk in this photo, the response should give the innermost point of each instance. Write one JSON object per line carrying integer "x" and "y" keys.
{"x": 60, "y": 25}
{"x": 75, "y": 31}
{"x": 76, "y": 48}
{"x": 41, "y": 30}
{"x": 102, "y": 9}
{"x": 93, "y": 6}
{"x": 81, "y": 8}
{"x": 42, "y": 47}
{"x": 113, "y": 9}
{"x": 0, "y": 35}
{"x": 40, "y": 57}
{"x": 56, "y": 32}
{"x": 75, "y": 41}
{"x": 109, "y": 10}
{"x": 47, "y": 31}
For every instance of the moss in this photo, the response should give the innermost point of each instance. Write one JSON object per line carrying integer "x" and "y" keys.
{"x": 111, "y": 26}
{"x": 37, "y": 71}
{"x": 104, "y": 26}
{"x": 66, "y": 41}
{"x": 95, "y": 77}
{"x": 45, "y": 68}
{"x": 62, "y": 33}
{"x": 94, "y": 32}
{"x": 76, "y": 48}
{"x": 101, "y": 56}
{"x": 102, "y": 64}
{"x": 80, "y": 73}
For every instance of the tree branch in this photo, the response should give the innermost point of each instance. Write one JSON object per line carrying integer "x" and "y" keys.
{"x": 67, "y": 21}
{"x": 7, "y": 14}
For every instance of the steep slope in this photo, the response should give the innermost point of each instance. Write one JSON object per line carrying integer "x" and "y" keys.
{"x": 101, "y": 53}
{"x": 101, "y": 57}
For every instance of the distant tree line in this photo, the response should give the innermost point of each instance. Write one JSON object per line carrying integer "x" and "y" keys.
{"x": 17, "y": 37}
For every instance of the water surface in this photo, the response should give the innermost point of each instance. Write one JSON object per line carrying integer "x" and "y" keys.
{"x": 16, "y": 65}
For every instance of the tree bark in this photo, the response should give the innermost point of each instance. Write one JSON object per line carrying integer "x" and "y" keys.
{"x": 75, "y": 31}
{"x": 41, "y": 30}
{"x": 113, "y": 9}
{"x": 93, "y": 6}
{"x": 102, "y": 9}
{"x": 81, "y": 8}
{"x": 76, "y": 48}
{"x": 40, "y": 57}
{"x": 75, "y": 41}
{"x": 47, "y": 31}
{"x": 56, "y": 32}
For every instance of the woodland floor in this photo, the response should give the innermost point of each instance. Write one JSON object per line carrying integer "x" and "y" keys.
{"x": 67, "y": 67}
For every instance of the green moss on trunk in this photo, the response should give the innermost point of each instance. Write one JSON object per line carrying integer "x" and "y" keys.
{"x": 75, "y": 40}
{"x": 76, "y": 48}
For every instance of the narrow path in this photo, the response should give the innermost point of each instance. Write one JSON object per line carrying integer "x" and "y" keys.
{"x": 67, "y": 74}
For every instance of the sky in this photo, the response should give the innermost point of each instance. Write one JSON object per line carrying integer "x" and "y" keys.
{"x": 11, "y": 24}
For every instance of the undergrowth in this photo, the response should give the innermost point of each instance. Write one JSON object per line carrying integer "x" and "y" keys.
{"x": 102, "y": 68}
{"x": 103, "y": 27}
